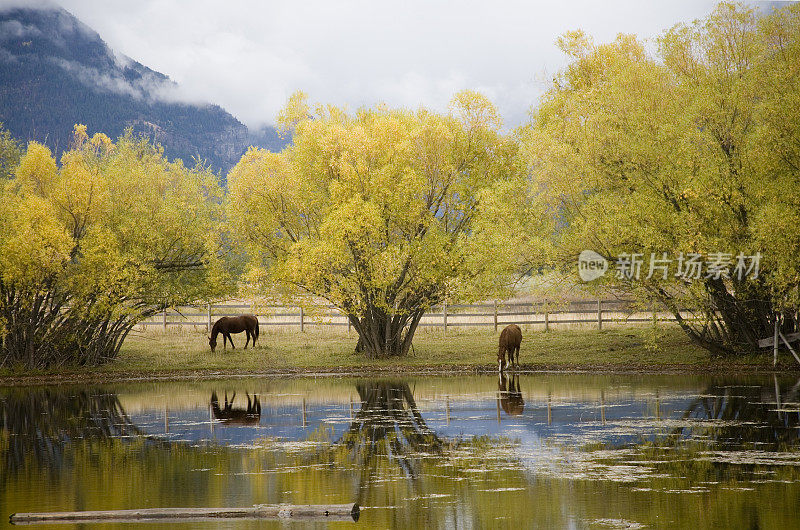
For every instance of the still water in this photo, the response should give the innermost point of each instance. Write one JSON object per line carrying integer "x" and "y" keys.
{"x": 532, "y": 451}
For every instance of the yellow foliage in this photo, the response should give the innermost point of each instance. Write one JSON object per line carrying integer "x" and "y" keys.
{"x": 381, "y": 208}
{"x": 36, "y": 172}
{"x": 695, "y": 150}
{"x": 116, "y": 226}
{"x": 34, "y": 246}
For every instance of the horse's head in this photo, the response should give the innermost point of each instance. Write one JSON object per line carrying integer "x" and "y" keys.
{"x": 213, "y": 343}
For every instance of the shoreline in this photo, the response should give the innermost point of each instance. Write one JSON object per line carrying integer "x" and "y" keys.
{"x": 391, "y": 371}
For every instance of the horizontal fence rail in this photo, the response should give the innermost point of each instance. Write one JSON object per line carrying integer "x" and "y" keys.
{"x": 499, "y": 314}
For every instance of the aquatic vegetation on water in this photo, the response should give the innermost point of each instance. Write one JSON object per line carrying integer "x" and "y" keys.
{"x": 656, "y": 459}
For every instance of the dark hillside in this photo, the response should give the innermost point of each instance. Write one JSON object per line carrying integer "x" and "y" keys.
{"x": 55, "y": 72}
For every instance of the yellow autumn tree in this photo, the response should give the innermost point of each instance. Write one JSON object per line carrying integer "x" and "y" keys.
{"x": 91, "y": 246}
{"x": 383, "y": 212}
{"x": 691, "y": 152}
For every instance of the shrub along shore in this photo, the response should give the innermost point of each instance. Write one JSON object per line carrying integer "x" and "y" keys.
{"x": 185, "y": 354}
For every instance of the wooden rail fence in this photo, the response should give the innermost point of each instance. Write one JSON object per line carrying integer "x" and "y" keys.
{"x": 496, "y": 314}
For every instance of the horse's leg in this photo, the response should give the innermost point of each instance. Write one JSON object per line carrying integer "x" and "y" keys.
{"x": 246, "y": 342}
{"x": 231, "y": 339}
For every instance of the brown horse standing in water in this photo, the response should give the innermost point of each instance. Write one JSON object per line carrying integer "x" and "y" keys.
{"x": 228, "y": 325}
{"x": 510, "y": 339}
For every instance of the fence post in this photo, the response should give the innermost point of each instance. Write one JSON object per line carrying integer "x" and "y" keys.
{"x": 302, "y": 319}
{"x": 495, "y": 316}
{"x": 775, "y": 343}
{"x": 165, "y": 319}
{"x": 546, "y": 316}
{"x": 208, "y": 314}
{"x": 599, "y": 314}
{"x": 532, "y": 313}
{"x": 444, "y": 313}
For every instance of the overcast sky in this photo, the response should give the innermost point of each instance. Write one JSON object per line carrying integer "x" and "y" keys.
{"x": 248, "y": 55}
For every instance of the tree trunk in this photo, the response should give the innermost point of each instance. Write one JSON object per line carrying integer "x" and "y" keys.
{"x": 382, "y": 334}
{"x": 48, "y": 328}
{"x": 735, "y": 317}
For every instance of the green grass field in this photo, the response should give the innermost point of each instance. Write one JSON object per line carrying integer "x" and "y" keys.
{"x": 624, "y": 346}
{"x": 186, "y": 353}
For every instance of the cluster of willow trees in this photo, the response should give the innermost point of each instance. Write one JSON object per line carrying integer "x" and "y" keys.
{"x": 693, "y": 150}
{"x": 688, "y": 153}
{"x": 92, "y": 245}
{"x": 383, "y": 213}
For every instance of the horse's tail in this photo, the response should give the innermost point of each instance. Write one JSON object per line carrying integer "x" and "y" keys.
{"x": 255, "y": 331}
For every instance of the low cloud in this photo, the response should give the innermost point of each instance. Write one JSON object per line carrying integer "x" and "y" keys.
{"x": 249, "y": 56}
{"x": 93, "y": 78}
{"x": 14, "y": 29}
{"x": 5, "y": 5}
{"x": 147, "y": 87}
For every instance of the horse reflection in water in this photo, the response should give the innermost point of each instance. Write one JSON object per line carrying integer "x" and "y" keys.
{"x": 231, "y": 416}
{"x": 509, "y": 396}
{"x": 388, "y": 426}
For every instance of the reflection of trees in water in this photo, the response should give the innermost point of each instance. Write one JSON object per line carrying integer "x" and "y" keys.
{"x": 36, "y": 425}
{"x": 728, "y": 433}
{"x": 388, "y": 426}
{"x": 744, "y": 417}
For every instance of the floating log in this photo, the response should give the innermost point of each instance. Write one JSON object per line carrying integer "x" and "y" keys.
{"x": 340, "y": 512}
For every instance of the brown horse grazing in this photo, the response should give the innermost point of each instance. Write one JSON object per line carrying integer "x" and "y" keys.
{"x": 228, "y": 325}
{"x": 231, "y": 416}
{"x": 510, "y": 339}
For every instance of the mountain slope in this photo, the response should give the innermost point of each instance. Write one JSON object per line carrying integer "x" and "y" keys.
{"x": 55, "y": 72}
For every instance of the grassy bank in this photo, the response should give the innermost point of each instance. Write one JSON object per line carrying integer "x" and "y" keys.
{"x": 321, "y": 348}
{"x": 186, "y": 353}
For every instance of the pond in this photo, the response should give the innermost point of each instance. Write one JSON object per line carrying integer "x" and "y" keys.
{"x": 535, "y": 450}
